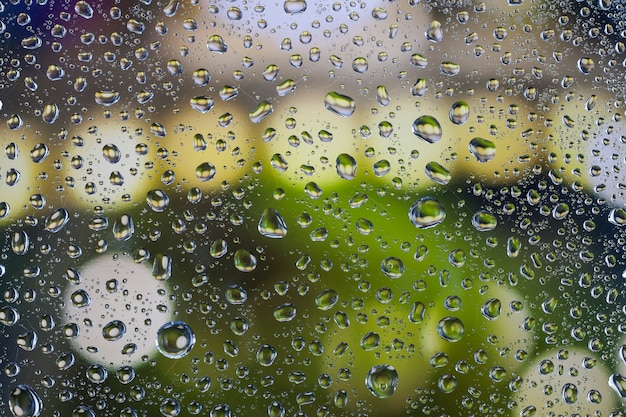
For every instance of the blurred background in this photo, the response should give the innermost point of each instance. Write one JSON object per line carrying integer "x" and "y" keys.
{"x": 312, "y": 208}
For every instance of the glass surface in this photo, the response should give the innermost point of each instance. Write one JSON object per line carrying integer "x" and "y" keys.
{"x": 299, "y": 208}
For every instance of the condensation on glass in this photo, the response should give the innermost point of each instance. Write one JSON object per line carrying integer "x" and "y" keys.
{"x": 300, "y": 208}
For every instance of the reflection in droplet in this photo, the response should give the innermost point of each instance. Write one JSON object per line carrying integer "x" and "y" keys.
{"x": 450, "y": 329}
{"x": 272, "y": 224}
{"x": 25, "y": 402}
{"x": 157, "y": 200}
{"x": 346, "y": 166}
{"x": 285, "y": 312}
{"x": 114, "y": 330}
{"x": 427, "y": 212}
{"x": 175, "y": 339}
{"x": 483, "y": 150}
{"x": 205, "y": 171}
{"x": 392, "y": 267}
{"x": 382, "y": 380}
{"x": 459, "y": 112}
{"x": 427, "y": 128}
{"x": 107, "y": 97}
{"x": 339, "y": 104}
{"x": 244, "y": 261}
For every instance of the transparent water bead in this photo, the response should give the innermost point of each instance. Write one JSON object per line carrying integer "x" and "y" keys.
{"x": 382, "y": 380}
{"x": 175, "y": 339}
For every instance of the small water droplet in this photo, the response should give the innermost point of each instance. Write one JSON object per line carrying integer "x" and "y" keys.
{"x": 175, "y": 339}
{"x": 427, "y": 212}
{"x": 427, "y": 128}
{"x": 382, "y": 381}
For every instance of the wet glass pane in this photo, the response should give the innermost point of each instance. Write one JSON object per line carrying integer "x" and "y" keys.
{"x": 305, "y": 208}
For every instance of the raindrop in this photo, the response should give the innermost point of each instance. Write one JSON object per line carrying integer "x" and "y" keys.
{"x": 57, "y": 220}
{"x": 123, "y": 228}
{"x": 370, "y": 341}
{"x": 435, "y": 32}
{"x": 483, "y": 150}
{"x": 339, "y": 104}
{"x": 427, "y": 128}
{"x": 484, "y": 221}
{"x": 20, "y": 242}
{"x": 175, "y": 339}
{"x": 83, "y": 9}
{"x": 294, "y": 6}
{"x": 450, "y": 329}
{"x": 392, "y": 267}
{"x": 569, "y": 393}
{"x": 586, "y": 65}
{"x": 205, "y": 171}
{"x": 50, "y": 113}
{"x": 201, "y": 77}
{"x": 96, "y": 373}
{"x": 202, "y": 104}
{"x": 491, "y": 309}
{"x": 236, "y": 295}
{"x": 266, "y": 355}
{"x": 111, "y": 153}
{"x": 25, "y": 402}
{"x": 263, "y": 110}
{"x": 459, "y": 112}
{"x": 427, "y": 212}
{"x": 114, "y": 330}
{"x": 346, "y": 166}
{"x": 437, "y": 173}
{"x": 382, "y": 381}
{"x": 326, "y": 299}
{"x": 447, "y": 383}
{"x": 272, "y": 224}
{"x": 107, "y": 97}
{"x": 285, "y": 312}
{"x": 244, "y": 261}
{"x": 216, "y": 44}
{"x": 157, "y": 200}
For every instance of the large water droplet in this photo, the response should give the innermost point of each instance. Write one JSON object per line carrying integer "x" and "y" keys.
{"x": 244, "y": 260}
{"x": 339, "y": 104}
{"x": 157, "y": 200}
{"x": 326, "y": 299}
{"x": 586, "y": 65}
{"x": 491, "y": 309}
{"x": 392, "y": 267}
{"x": 346, "y": 166}
{"x": 483, "y": 150}
{"x": 216, "y": 44}
{"x": 57, "y": 220}
{"x": 451, "y": 329}
{"x": 205, "y": 171}
{"x": 82, "y": 8}
{"x": 25, "y": 402}
{"x": 427, "y": 212}
{"x": 459, "y": 112}
{"x": 370, "y": 341}
{"x": 484, "y": 221}
{"x": 114, "y": 330}
{"x": 107, "y": 97}
{"x": 175, "y": 339}
{"x": 618, "y": 383}
{"x": 285, "y": 312}
{"x": 266, "y": 355}
{"x": 382, "y": 380}
{"x": 272, "y": 224}
{"x": 427, "y": 128}
{"x": 294, "y": 6}
{"x": 437, "y": 173}
{"x": 569, "y": 393}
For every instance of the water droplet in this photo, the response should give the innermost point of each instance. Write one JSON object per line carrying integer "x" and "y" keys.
{"x": 392, "y": 267}
{"x": 157, "y": 200}
{"x": 39, "y": 152}
{"x": 175, "y": 339}
{"x": 370, "y": 341}
{"x": 450, "y": 329}
{"x": 201, "y": 77}
{"x": 435, "y": 32}
{"x": 27, "y": 341}
{"x": 9, "y": 315}
{"x": 244, "y": 261}
{"x": 50, "y": 113}
{"x": 263, "y": 110}
{"x": 346, "y": 166}
{"x": 382, "y": 380}
{"x": 236, "y": 295}
{"x": 618, "y": 383}
{"x": 339, "y": 104}
{"x": 484, "y": 221}
{"x": 427, "y": 128}
{"x": 427, "y": 212}
{"x": 82, "y": 8}
{"x": 360, "y": 65}
{"x": 57, "y": 220}
{"x": 483, "y": 150}
{"x": 459, "y": 112}
{"x": 20, "y": 243}
{"x": 617, "y": 216}
{"x": 419, "y": 88}
{"x": 275, "y": 409}
{"x": 326, "y": 299}
{"x": 111, "y": 153}
{"x": 114, "y": 330}
{"x": 569, "y": 393}
{"x": 586, "y": 65}
{"x": 272, "y": 224}
{"x": 123, "y": 228}
{"x": 285, "y": 312}
{"x": 266, "y": 355}
{"x": 382, "y": 96}
{"x": 205, "y": 171}
{"x": 437, "y": 173}
{"x": 447, "y": 383}
{"x": 513, "y": 247}
{"x": 202, "y": 104}
{"x": 107, "y": 97}
{"x": 449, "y": 68}
{"x": 294, "y": 6}
{"x": 416, "y": 315}
{"x": 25, "y": 402}
{"x": 216, "y": 44}
{"x": 491, "y": 309}
{"x": 219, "y": 248}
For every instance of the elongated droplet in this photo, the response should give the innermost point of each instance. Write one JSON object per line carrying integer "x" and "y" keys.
{"x": 346, "y": 166}
{"x": 123, "y": 228}
{"x": 285, "y": 312}
{"x": 272, "y": 224}
{"x": 483, "y": 150}
{"x": 263, "y": 110}
{"x": 25, "y": 402}
{"x": 340, "y": 104}
{"x": 107, "y": 97}
{"x": 491, "y": 309}
{"x": 437, "y": 173}
{"x": 57, "y": 220}
{"x": 157, "y": 200}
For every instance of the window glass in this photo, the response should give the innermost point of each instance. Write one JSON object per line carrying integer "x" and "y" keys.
{"x": 311, "y": 208}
